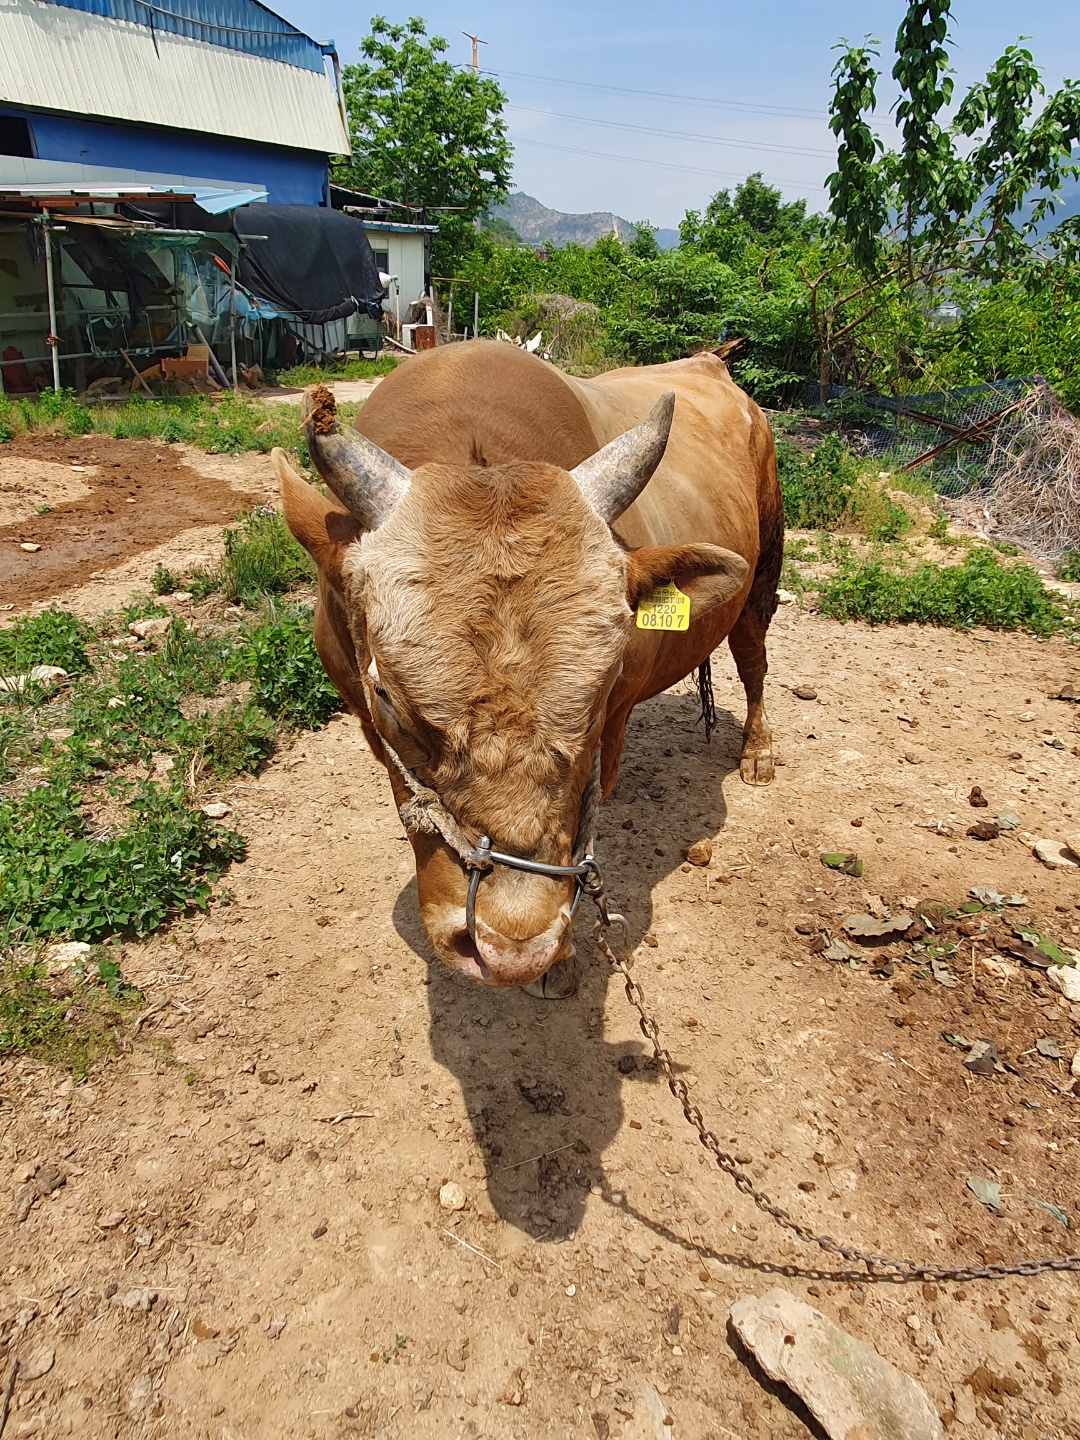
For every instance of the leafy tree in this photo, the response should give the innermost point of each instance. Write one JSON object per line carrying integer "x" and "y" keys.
{"x": 755, "y": 215}
{"x": 424, "y": 133}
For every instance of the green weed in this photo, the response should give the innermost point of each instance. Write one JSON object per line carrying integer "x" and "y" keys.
{"x": 980, "y": 591}
{"x": 55, "y": 878}
{"x": 1068, "y": 566}
{"x": 227, "y": 424}
{"x": 797, "y": 547}
{"x": 235, "y": 741}
{"x": 817, "y": 486}
{"x": 939, "y": 527}
{"x": 290, "y": 683}
{"x": 54, "y": 637}
{"x": 164, "y": 582}
{"x": 262, "y": 558}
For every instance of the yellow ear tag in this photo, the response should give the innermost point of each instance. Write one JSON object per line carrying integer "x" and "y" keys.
{"x": 665, "y": 608}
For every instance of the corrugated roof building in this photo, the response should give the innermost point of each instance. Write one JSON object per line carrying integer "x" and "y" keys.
{"x": 221, "y": 89}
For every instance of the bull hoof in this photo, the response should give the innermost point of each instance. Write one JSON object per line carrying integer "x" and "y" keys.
{"x": 558, "y": 983}
{"x": 757, "y": 769}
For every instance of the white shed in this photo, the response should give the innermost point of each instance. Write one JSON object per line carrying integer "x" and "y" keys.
{"x": 402, "y": 252}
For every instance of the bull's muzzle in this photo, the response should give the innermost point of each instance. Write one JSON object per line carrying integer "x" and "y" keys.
{"x": 503, "y": 961}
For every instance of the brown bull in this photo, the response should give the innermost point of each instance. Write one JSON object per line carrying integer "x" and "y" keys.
{"x": 499, "y": 524}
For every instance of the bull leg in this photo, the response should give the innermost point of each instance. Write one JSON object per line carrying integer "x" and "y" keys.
{"x": 747, "y": 643}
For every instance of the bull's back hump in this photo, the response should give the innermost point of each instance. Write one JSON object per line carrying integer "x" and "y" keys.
{"x": 481, "y": 402}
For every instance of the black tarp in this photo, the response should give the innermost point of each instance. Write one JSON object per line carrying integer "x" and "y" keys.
{"x": 313, "y": 263}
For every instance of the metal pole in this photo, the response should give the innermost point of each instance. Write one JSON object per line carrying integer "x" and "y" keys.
{"x": 52, "y": 340}
{"x": 232, "y": 324}
{"x": 476, "y": 314}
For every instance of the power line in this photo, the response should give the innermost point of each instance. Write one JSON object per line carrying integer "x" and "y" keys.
{"x": 743, "y": 105}
{"x": 667, "y": 165}
{"x": 680, "y": 134}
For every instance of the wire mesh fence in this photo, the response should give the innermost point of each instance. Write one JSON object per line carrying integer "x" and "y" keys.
{"x": 897, "y": 430}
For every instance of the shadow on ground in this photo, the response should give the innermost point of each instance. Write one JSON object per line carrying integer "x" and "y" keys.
{"x": 541, "y": 1086}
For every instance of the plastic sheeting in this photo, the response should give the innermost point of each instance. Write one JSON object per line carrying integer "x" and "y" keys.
{"x": 314, "y": 264}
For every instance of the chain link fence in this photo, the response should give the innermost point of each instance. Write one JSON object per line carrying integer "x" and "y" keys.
{"x": 960, "y": 424}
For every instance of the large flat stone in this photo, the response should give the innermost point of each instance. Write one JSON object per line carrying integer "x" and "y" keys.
{"x": 849, "y": 1388}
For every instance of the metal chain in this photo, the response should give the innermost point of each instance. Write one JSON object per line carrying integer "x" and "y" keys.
{"x": 903, "y": 1270}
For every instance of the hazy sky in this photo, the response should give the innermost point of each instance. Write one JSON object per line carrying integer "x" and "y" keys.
{"x": 753, "y": 77}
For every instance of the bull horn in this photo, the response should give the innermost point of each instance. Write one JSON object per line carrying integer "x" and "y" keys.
{"x": 367, "y": 481}
{"x": 613, "y": 478}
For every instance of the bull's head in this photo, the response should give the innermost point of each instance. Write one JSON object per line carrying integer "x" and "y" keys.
{"x": 476, "y": 620}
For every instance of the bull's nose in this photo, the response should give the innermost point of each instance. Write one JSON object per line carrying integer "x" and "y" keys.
{"x": 518, "y": 962}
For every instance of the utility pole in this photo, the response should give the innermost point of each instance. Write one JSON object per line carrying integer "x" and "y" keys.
{"x": 475, "y": 52}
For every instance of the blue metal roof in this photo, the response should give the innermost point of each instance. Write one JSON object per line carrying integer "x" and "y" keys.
{"x": 242, "y": 25}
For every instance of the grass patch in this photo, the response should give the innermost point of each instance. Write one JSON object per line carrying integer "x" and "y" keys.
{"x": 262, "y": 558}
{"x": 343, "y": 370}
{"x": 102, "y": 833}
{"x": 63, "y": 1021}
{"x": 827, "y": 489}
{"x": 979, "y": 591}
{"x": 57, "y": 878}
{"x": 227, "y": 424}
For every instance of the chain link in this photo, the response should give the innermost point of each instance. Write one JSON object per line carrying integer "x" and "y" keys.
{"x": 882, "y": 1266}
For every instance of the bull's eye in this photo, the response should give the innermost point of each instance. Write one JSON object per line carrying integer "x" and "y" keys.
{"x": 381, "y": 693}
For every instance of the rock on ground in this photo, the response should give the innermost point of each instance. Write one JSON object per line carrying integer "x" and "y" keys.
{"x": 851, "y": 1390}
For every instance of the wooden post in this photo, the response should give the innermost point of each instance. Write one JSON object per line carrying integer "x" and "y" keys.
{"x": 53, "y": 340}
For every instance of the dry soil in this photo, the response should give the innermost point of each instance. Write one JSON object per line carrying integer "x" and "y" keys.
{"x": 249, "y": 1243}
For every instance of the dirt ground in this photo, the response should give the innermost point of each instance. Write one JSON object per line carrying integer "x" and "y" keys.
{"x": 115, "y": 499}
{"x": 249, "y": 1244}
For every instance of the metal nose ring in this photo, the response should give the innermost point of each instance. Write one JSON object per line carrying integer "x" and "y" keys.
{"x": 483, "y": 846}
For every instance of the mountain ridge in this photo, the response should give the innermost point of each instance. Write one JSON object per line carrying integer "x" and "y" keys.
{"x": 534, "y": 223}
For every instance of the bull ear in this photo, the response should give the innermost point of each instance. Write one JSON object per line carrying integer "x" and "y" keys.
{"x": 709, "y": 574}
{"x": 322, "y": 529}
{"x": 613, "y": 478}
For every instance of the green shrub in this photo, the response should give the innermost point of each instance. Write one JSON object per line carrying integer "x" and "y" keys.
{"x": 14, "y": 733}
{"x": 202, "y": 582}
{"x": 57, "y": 879}
{"x": 59, "y": 410}
{"x": 980, "y": 591}
{"x": 290, "y": 683}
{"x": 1068, "y": 566}
{"x": 54, "y": 637}
{"x": 262, "y": 558}
{"x": 817, "y": 487}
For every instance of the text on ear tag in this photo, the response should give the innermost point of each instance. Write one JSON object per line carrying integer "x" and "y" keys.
{"x": 665, "y": 608}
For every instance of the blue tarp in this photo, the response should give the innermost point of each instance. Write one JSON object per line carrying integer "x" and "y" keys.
{"x": 243, "y": 25}
{"x": 290, "y": 177}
